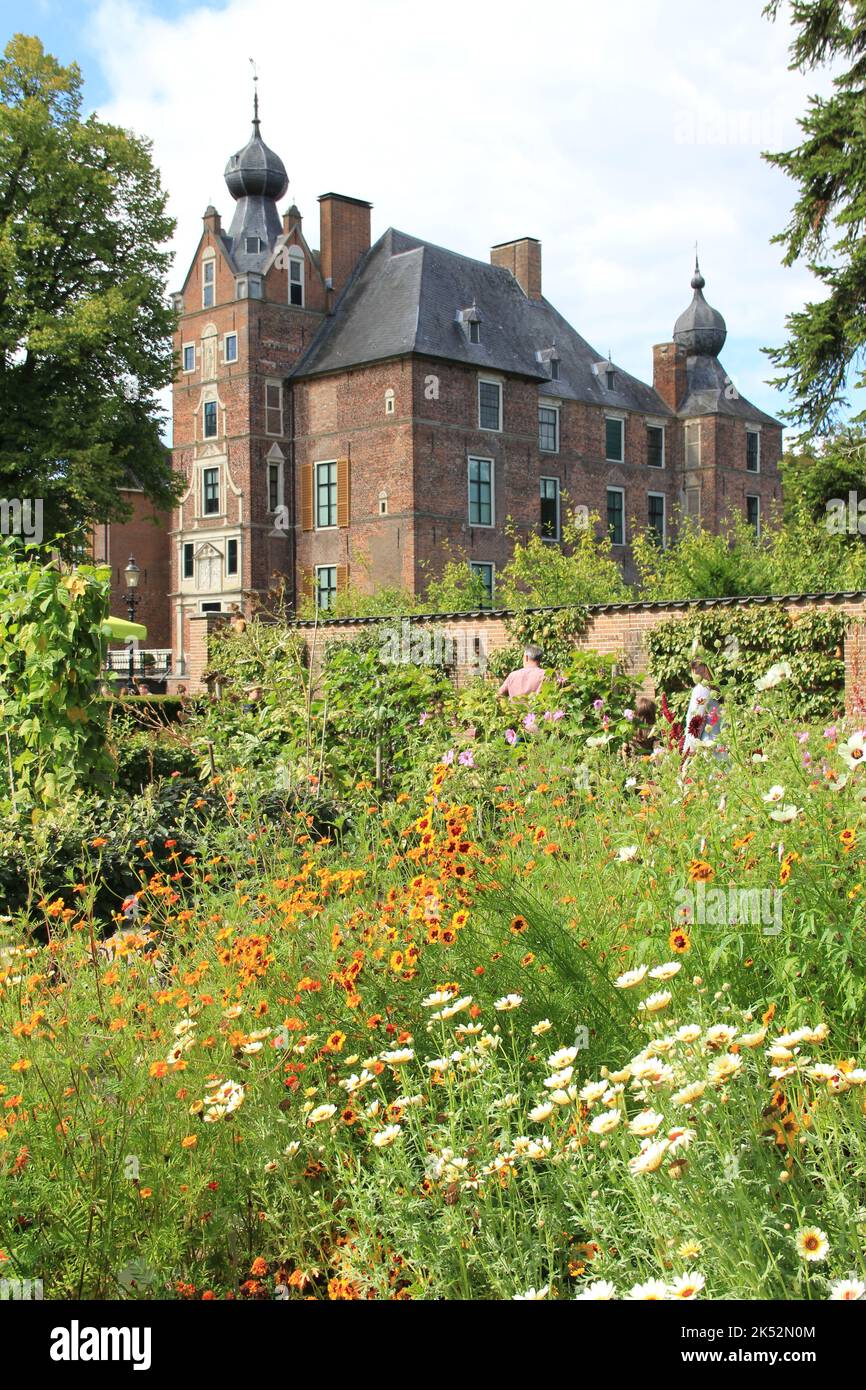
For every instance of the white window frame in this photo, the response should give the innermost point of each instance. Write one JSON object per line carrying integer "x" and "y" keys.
{"x": 226, "y": 337}
{"x": 227, "y": 573}
{"x": 689, "y": 516}
{"x": 490, "y": 381}
{"x": 481, "y": 525}
{"x": 389, "y": 401}
{"x": 316, "y": 572}
{"x": 295, "y": 256}
{"x": 664, "y": 500}
{"x": 621, "y": 490}
{"x": 184, "y": 547}
{"x": 656, "y": 425}
{"x": 694, "y": 425}
{"x": 326, "y": 463}
{"x": 542, "y": 405}
{"x": 208, "y": 260}
{"x": 547, "y": 478}
{"x": 757, "y": 498}
{"x": 209, "y": 467}
{"x": 274, "y": 434}
{"x": 753, "y": 472}
{"x": 210, "y": 605}
{"x": 477, "y": 565}
{"x": 184, "y": 349}
{"x": 620, "y": 420}
{"x": 211, "y": 400}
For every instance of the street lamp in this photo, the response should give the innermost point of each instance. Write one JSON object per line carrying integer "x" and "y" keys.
{"x": 133, "y": 574}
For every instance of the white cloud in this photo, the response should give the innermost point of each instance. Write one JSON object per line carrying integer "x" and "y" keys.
{"x": 617, "y": 134}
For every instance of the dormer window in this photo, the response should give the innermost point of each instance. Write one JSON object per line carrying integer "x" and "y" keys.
{"x": 471, "y": 321}
{"x": 549, "y": 358}
{"x": 252, "y": 245}
{"x": 610, "y": 378}
{"x": 554, "y": 369}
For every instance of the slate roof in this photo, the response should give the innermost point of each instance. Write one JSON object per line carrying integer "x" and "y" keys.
{"x": 711, "y": 392}
{"x": 405, "y": 296}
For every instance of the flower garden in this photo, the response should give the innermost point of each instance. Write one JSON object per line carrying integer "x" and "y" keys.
{"x": 440, "y": 1000}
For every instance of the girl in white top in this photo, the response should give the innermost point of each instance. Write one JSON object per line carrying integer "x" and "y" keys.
{"x": 704, "y": 716}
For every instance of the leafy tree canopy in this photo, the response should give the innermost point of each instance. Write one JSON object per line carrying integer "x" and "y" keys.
{"x": 85, "y": 328}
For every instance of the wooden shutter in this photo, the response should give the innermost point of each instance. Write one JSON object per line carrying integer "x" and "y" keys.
{"x": 306, "y": 497}
{"x": 307, "y": 581}
{"x": 343, "y": 483}
{"x": 342, "y": 578}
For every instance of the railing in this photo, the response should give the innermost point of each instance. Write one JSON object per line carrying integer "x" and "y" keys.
{"x": 153, "y": 662}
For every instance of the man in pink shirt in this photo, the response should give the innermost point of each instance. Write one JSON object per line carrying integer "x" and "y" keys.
{"x": 526, "y": 681}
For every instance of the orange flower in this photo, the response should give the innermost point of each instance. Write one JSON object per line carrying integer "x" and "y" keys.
{"x": 189, "y": 1142}
{"x": 519, "y": 925}
{"x": 700, "y": 871}
{"x": 679, "y": 942}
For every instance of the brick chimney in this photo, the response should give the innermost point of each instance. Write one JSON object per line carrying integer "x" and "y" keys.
{"x": 344, "y": 237}
{"x": 211, "y": 220}
{"x": 523, "y": 259}
{"x": 669, "y": 373}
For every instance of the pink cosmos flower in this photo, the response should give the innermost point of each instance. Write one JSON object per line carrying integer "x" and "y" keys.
{"x": 466, "y": 759}
{"x": 510, "y": 736}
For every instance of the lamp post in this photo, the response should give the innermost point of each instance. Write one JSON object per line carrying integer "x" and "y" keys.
{"x": 133, "y": 574}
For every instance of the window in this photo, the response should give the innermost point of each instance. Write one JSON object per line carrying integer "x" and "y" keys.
{"x": 753, "y": 451}
{"x": 548, "y": 428}
{"x": 614, "y": 432}
{"x": 296, "y": 279}
{"x": 474, "y": 331}
{"x": 550, "y": 509}
{"x": 693, "y": 444}
{"x": 480, "y": 492}
{"x": 273, "y": 408}
{"x": 693, "y": 505}
{"x": 753, "y": 513}
{"x": 189, "y": 357}
{"x": 655, "y": 446}
{"x": 211, "y": 608}
{"x": 655, "y": 507}
{"x": 554, "y": 369}
{"x": 210, "y": 480}
{"x": 275, "y": 486}
{"x": 326, "y": 495}
{"x": 326, "y": 585}
{"x": 232, "y": 556}
{"x": 485, "y": 571}
{"x": 188, "y": 560}
{"x": 389, "y": 402}
{"x": 253, "y": 245}
{"x": 208, "y": 283}
{"x": 383, "y": 503}
{"x": 210, "y": 419}
{"x": 231, "y": 347}
{"x": 489, "y": 405}
{"x": 610, "y": 377}
{"x": 616, "y": 515}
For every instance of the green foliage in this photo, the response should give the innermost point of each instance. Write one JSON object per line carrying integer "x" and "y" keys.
{"x": 357, "y": 602}
{"x": 85, "y": 329}
{"x": 825, "y": 471}
{"x": 739, "y": 646}
{"x": 828, "y": 220}
{"x": 458, "y": 589}
{"x": 582, "y": 570}
{"x": 51, "y": 656}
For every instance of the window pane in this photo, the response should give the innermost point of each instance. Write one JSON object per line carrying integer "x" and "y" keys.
{"x": 189, "y": 359}
{"x": 232, "y": 347}
{"x": 693, "y": 446}
{"x": 273, "y": 486}
{"x": 210, "y": 419}
{"x": 548, "y": 429}
{"x": 232, "y": 557}
{"x": 656, "y": 516}
{"x": 187, "y": 560}
{"x": 489, "y": 395}
{"x": 752, "y": 447}
{"x": 480, "y": 492}
{"x": 613, "y": 433}
{"x": 326, "y": 494}
{"x": 211, "y": 489}
{"x": 615, "y": 519}
{"x": 753, "y": 512}
{"x": 655, "y": 446}
{"x": 550, "y": 508}
{"x": 326, "y": 585}
{"x": 485, "y": 571}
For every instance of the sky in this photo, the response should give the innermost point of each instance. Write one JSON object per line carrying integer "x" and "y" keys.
{"x": 620, "y": 135}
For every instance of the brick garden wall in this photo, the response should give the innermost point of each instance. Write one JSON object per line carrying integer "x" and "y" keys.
{"x": 617, "y": 628}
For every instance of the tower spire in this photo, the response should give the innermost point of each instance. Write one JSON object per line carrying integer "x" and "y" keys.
{"x": 255, "y": 96}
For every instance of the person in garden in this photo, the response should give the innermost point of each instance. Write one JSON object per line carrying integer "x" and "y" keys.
{"x": 704, "y": 714}
{"x": 643, "y": 736}
{"x": 528, "y": 679}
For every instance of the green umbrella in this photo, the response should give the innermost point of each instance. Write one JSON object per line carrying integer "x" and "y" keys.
{"x": 122, "y": 630}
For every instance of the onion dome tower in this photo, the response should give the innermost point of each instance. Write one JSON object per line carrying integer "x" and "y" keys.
{"x": 255, "y": 177}
{"x": 700, "y": 329}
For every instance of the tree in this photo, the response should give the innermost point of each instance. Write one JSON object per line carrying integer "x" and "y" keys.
{"x": 85, "y": 328}
{"x": 825, "y": 471}
{"x": 827, "y": 338}
{"x": 582, "y": 571}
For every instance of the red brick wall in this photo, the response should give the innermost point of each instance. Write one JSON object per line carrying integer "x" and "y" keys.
{"x": 144, "y": 536}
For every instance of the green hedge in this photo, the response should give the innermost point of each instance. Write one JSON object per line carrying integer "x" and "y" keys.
{"x": 739, "y": 646}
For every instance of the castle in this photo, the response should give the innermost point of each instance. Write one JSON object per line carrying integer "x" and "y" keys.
{"x": 357, "y": 412}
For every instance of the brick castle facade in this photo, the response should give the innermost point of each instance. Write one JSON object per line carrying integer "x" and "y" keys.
{"x": 357, "y": 412}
